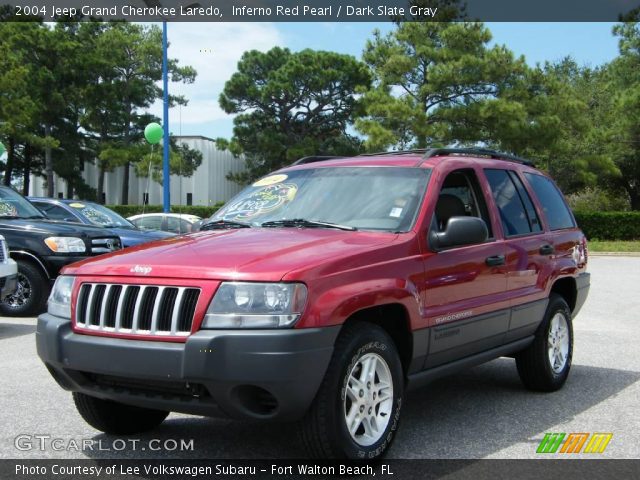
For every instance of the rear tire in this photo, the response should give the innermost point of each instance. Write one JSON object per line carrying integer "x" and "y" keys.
{"x": 30, "y": 297}
{"x": 357, "y": 409}
{"x": 544, "y": 365}
{"x": 117, "y": 418}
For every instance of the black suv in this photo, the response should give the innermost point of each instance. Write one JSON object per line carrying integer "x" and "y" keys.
{"x": 41, "y": 247}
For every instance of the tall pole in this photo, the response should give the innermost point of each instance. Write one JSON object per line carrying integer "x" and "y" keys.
{"x": 165, "y": 123}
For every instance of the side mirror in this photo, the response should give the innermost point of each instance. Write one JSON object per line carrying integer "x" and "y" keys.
{"x": 460, "y": 231}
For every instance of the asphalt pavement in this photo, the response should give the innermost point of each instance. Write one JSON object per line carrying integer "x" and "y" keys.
{"x": 481, "y": 413}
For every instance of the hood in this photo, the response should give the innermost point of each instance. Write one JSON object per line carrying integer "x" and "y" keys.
{"x": 242, "y": 254}
{"x": 52, "y": 227}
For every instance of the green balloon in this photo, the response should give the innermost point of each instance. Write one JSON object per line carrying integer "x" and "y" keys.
{"x": 2, "y": 149}
{"x": 153, "y": 133}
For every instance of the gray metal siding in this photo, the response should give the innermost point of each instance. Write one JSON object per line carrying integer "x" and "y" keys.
{"x": 208, "y": 183}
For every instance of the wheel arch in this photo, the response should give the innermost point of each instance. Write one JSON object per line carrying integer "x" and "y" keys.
{"x": 567, "y": 289}
{"x": 394, "y": 319}
{"x": 31, "y": 258}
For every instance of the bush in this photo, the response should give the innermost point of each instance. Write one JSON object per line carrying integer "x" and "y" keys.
{"x": 609, "y": 225}
{"x": 199, "y": 210}
{"x": 594, "y": 199}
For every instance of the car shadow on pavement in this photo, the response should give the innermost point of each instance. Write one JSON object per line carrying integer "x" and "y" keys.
{"x": 10, "y": 330}
{"x": 469, "y": 415}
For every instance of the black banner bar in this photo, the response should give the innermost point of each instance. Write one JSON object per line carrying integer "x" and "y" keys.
{"x": 566, "y": 469}
{"x": 327, "y": 10}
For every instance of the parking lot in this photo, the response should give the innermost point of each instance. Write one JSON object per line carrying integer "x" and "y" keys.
{"x": 481, "y": 413}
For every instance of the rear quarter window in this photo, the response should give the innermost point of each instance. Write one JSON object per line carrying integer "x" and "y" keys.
{"x": 553, "y": 205}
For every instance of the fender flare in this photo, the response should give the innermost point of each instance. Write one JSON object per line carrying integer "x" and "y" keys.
{"x": 16, "y": 254}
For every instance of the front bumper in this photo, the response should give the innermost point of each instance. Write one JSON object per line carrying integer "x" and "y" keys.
{"x": 247, "y": 374}
{"x": 8, "y": 278}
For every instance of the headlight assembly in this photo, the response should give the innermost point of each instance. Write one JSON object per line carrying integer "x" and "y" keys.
{"x": 60, "y": 299}
{"x": 65, "y": 244}
{"x": 256, "y": 305}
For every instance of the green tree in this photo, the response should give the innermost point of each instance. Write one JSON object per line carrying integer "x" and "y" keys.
{"x": 183, "y": 161}
{"x": 291, "y": 104}
{"x": 19, "y": 107}
{"x": 562, "y": 107}
{"x": 127, "y": 63}
{"x": 624, "y": 128}
{"x": 436, "y": 84}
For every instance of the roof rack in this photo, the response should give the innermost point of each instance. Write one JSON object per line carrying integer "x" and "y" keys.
{"x": 485, "y": 152}
{"x": 315, "y": 158}
{"x": 428, "y": 153}
{"x": 394, "y": 152}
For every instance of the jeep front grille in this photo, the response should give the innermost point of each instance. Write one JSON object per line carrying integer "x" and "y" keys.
{"x": 105, "y": 245}
{"x": 136, "y": 309}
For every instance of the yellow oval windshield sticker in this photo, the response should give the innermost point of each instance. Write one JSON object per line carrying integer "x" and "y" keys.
{"x": 77, "y": 205}
{"x": 270, "y": 180}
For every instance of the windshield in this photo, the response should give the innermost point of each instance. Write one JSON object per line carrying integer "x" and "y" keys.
{"x": 14, "y": 205}
{"x": 366, "y": 198}
{"x": 100, "y": 215}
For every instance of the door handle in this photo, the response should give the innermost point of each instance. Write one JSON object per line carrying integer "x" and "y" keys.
{"x": 495, "y": 260}
{"x": 547, "y": 249}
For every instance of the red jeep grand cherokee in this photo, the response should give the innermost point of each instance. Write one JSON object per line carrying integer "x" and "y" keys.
{"x": 321, "y": 292}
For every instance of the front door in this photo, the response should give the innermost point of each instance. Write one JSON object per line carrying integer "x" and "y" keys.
{"x": 465, "y": 299}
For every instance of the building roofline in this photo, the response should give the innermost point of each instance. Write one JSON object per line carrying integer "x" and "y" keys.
{"x": 201, "y": 137}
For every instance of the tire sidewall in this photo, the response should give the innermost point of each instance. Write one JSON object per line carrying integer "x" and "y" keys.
{"x": 383, "y": 346}
{"x": 557, "y": 305}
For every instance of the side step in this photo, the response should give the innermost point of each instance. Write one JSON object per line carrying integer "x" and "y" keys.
{"x": 420, "y": 379}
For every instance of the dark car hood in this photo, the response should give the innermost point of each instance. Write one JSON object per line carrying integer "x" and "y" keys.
{"x": 131, "y": 236}
{"x": 52, "y": 227}
{"x": 263, "y": 253}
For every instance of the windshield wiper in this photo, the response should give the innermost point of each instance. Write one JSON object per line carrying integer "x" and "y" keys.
{"x": 220, "y": 224}
{"x": 302, "y": 222}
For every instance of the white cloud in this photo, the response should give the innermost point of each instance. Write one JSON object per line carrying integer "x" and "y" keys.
{"x": 214, "y": 50}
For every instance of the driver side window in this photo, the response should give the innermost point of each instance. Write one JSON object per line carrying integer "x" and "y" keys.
{"x": 460, "y": 196}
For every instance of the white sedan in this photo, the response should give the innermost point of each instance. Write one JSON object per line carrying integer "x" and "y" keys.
{"x": 168, "y": 222}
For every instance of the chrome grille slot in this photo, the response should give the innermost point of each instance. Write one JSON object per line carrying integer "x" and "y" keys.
{"x": 130, "y": 300}
{"x": 95, "y": 305}
{"x": 136, "y": 309}
{"x": 112, "y": 305}
{"x": 105, "y": 245}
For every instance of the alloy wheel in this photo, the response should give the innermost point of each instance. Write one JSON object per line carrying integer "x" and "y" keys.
{"x": 558, "y": 342}
{"x": 368, "y": 402}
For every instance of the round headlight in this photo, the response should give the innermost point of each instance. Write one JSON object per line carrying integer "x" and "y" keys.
{"x": 276, "y": 297}
{"x": 242, "y": 296}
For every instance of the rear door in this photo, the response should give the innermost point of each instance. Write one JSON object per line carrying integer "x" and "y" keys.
{"x": 465, "y": 298}
{"x": 528, "y": 251}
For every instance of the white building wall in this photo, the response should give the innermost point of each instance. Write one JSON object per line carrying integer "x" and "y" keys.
{"x": 208, "y": 183}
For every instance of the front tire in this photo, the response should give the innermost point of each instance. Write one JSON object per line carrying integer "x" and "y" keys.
{"x": 117, "y": 418}
{"x": 30, "y": 297}
{"x": 544, "y": 365}
{"x": 357, "y": 409}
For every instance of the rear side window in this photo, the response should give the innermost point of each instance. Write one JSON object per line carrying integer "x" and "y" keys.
{"x": 55, "y": 212}
{"x": 555, "y": 208}
{"x": 149, "y": 223}
{"x": 517, "y": 214}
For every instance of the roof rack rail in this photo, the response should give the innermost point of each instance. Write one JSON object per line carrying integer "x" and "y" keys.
{"x": 315, "y": 158}
{"x": 394, "y": 152}
{"x": 485, "y": 152}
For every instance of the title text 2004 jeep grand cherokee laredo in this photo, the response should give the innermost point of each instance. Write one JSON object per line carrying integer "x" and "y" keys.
{"x": 321, "y": 292}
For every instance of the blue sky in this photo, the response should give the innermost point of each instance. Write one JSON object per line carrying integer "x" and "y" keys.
{"x": 214, "y": 50}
